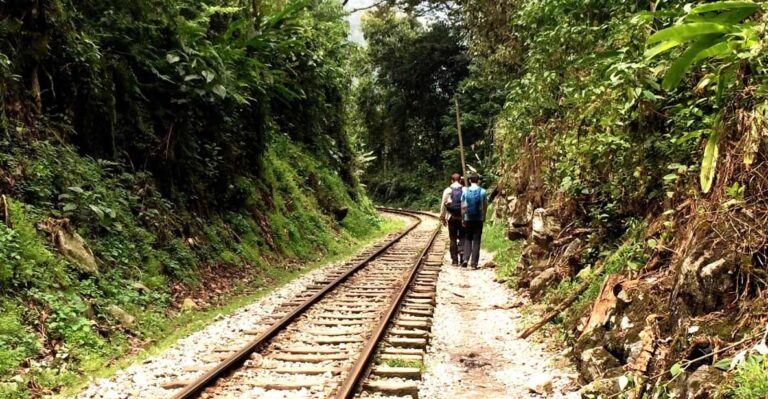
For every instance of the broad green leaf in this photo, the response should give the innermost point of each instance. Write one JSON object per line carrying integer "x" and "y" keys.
{"x": 733, "y": 16}
{"x": 678, "y": 69}
{"x": 69, "y": 207}
{"x": 172, "y": 58}
{"x": 220, "y": 91}
{"x": 726, "y": 75}
{"x": 670, "y": 177}
{"x": 97, "y": 211}
{"x": 704, "y": 82}
{"x": 722, "y": 6}
{"x": 661, "y": 48}
{"x": 717, "y": 50}
{"x": 676, "y": 370}
{"x": 724, "y": 364}
{"x": 208, "y": 75}
{"x": 689, "y": 31}
{"x": 709, "y": 162}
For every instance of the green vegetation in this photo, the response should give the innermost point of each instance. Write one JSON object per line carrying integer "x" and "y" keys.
{"x": 150, "y": 147}
{"x": 152, "y": 150}
{"x": 138, "y": 267}
{"x": 273, "y": 277}
{"x": 641, "y": 125}
{"x": 627, "y": 259}
{"x": 407, "y": 79}
{"x": 403, "y": 363}
{"x": 750, "y": 380}
{"x": 506, "y": 253}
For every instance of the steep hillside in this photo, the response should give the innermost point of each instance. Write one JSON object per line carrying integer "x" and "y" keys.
{"x": 632, "y": 161}
{"x": 153, "y": 151}
{"x": 625, "y": 142}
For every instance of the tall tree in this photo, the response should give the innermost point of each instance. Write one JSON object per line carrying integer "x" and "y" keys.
{"x": 414, "y": 70}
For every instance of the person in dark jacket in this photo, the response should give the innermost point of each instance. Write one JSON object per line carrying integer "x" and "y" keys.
{"x": 450, "y": 216}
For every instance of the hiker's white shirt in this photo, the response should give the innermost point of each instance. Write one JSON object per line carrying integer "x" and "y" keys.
{"x": 447, "y": 199}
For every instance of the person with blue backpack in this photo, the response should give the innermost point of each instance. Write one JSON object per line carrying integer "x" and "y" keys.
{"x": 450, "y": 215}
{"x": 474, "y": 205}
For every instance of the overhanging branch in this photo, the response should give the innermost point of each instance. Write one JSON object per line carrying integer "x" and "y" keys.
{"x": 354, "y": 10}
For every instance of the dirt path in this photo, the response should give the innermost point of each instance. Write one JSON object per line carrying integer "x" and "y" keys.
{"x": 474, "y": 351}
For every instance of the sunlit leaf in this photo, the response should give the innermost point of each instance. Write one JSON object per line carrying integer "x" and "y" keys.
{"x": 97, "y": 211}
{"x": 724, "y": 364}
{"x": 687, "y": 32}
{"x": 661, "y": 48}
{"x": 676, "y": 370}
{"x": 709, "y": 161}
{"x": 678, "y": 69}
{"x": 717, "y": 50}
{"x": 220, "y": 91}
{"x": 723, "y": 5}
{"x": 623, "y": 382}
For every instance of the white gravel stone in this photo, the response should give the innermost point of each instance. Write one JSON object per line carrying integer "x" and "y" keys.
{"x": 475, "y": 352}
{"x": 143, "y": 380}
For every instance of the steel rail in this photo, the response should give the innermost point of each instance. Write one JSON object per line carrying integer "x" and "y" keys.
{"x": 358, "y": 372}
{"x": 236, "y": 360}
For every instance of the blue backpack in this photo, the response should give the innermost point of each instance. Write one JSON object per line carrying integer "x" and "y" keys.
{"x": 473, "y": 198}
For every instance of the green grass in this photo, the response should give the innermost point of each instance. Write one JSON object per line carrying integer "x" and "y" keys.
{"x": 506, "y": 253}
{"x": 402, "y": 363}
{"x": 274, "y": 223}
{"x": 190, "y": 322}
{"x": 750, "y": 380}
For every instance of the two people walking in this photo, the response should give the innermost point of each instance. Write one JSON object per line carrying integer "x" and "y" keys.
{"x": 463, "y": 210}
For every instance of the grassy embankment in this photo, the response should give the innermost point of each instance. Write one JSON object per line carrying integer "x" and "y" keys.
{"x": 506, "y": 253}
{"x": 58, "y": 319}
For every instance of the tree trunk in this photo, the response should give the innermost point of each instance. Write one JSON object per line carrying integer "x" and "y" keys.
{"x": 36, "y": 96}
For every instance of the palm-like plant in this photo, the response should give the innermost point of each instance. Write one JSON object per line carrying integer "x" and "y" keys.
{"x": 723, "y": 33}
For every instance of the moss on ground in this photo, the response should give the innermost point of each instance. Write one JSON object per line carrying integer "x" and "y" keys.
{"x": 417, "y": 364}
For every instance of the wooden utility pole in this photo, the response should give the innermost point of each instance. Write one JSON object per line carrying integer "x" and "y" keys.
{"x": 461, "y": 143}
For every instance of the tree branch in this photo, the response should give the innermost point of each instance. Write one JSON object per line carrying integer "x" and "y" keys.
{"x": 376, "y": 4}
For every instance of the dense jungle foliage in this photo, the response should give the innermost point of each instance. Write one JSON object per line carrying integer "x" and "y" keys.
{"x": 146, "y": 144}
{"x": 151, "y": 148}
{"x": 407, "y": 79}
{"x": 641, "y": 125}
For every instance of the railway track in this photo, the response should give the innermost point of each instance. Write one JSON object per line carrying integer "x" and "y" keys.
{"x": 361, "y": 332}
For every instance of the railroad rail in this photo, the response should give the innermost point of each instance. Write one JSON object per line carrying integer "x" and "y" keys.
{"x": 326, "y": 342}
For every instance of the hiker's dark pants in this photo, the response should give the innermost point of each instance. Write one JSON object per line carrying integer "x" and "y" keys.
{"x": 473, "y": 233}
{"x": 456, "y": 235}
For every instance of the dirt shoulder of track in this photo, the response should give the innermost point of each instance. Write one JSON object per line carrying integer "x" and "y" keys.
{"x": 475, "y": 352}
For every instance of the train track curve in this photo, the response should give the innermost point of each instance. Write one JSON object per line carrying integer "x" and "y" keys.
{"x": 361, "y": 332}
